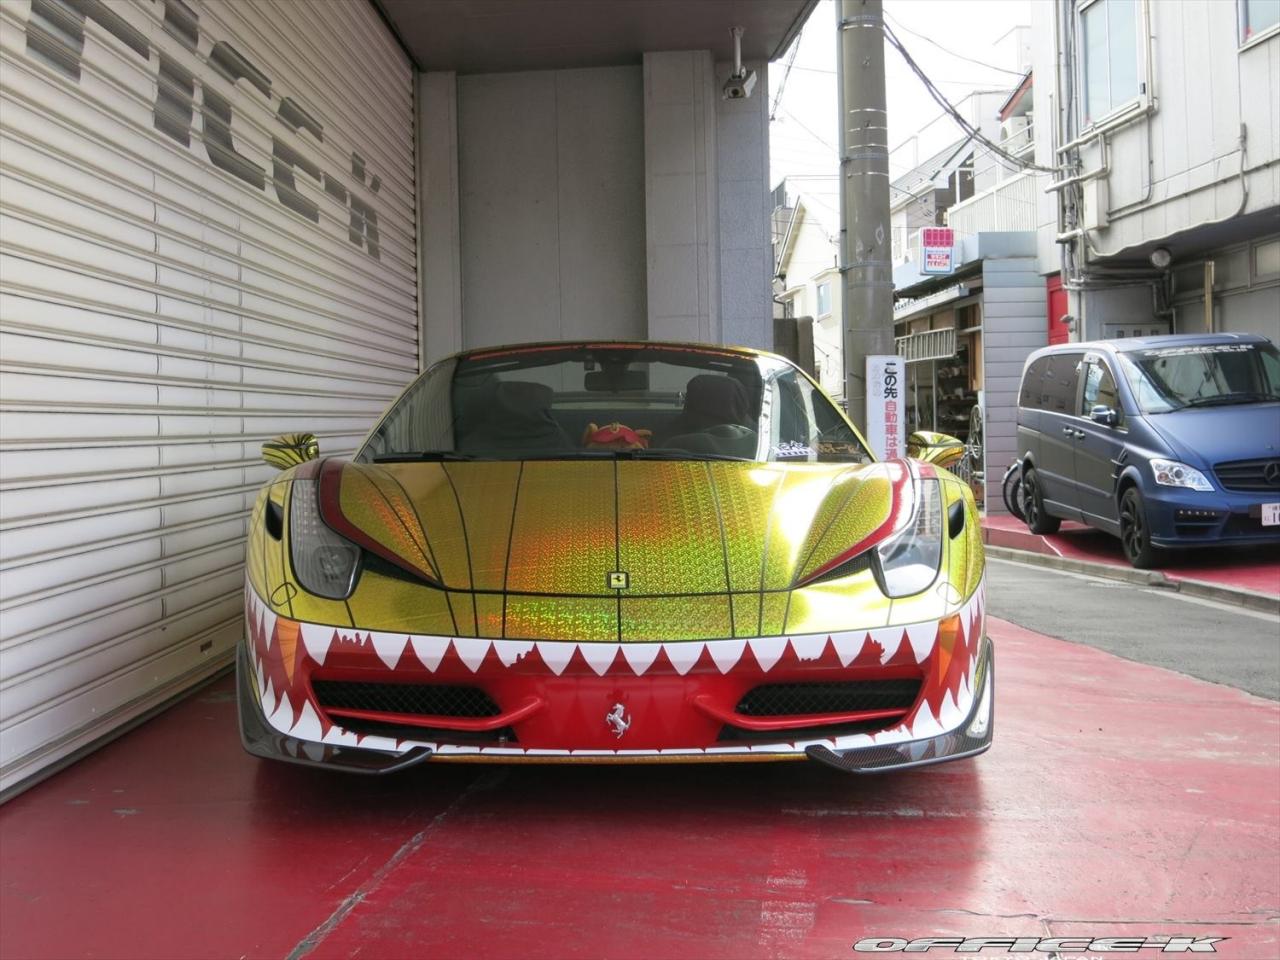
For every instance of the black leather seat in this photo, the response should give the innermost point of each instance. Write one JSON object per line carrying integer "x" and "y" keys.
{"x": 517, "y": 418}
{"x": 711, "y": 399}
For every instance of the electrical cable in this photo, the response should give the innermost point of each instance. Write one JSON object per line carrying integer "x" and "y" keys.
{"x": 952, "y": 53}
{"x": 818, "y": 137}
{"x": 948, "y": 108}
{"x": 782, "y": 86}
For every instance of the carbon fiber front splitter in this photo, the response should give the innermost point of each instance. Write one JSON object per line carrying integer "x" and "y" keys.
{"x": 971, "y": 738}
{"x": 261, "y": 740}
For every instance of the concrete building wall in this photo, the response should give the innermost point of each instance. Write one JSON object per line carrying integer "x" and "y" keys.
{"x": 551, "y": 203}
{"x": 681, "y": 197}
{"x": 1205, "y": 151}
{"x": 1013, "y": 324}
{"x": 440, "y": 261}
{"x": 746, "y": 257}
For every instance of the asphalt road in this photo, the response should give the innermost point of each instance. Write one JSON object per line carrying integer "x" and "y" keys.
{"x": 1199, "y": 638}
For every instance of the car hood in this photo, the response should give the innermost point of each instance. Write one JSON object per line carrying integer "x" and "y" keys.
{"x": 1209, "y": 435}
{"x": 673, "y": 528}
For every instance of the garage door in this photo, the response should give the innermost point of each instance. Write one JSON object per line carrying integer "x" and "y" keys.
{"x": 208, "y": 239}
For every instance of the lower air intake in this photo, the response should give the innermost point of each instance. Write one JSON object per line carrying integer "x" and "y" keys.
{"x": 797, "y": 699}
{"x": 405, "y": 698}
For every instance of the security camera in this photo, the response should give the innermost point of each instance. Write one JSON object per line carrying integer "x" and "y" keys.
{"x": 742, "y": 81}
{"x": 739, "y": 87}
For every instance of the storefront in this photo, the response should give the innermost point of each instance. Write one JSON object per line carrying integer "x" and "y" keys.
{"x": 965, "y": 337}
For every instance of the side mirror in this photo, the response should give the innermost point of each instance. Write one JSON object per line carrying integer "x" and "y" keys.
{"x": 290, "y": 449}
{"x": 936, "y": 448}
{"x": 1100, "y": 413}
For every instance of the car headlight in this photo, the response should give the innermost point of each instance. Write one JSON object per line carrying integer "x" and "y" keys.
{"x": 324, "y": 563}
{"x": 908, "y": 562}
{"x": 1171, "y": 473}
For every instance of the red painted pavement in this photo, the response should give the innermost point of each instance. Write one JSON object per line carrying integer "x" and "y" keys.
{"x": 1248, "y": 568}
{"x": 1119, "y": 799}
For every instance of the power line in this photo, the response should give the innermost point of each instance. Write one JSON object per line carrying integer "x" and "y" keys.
{"x": 782, "y": 86}
{"x": 952, "y": 53}
{"x": 973, "y": 132}
{"x": 818, "y": 137}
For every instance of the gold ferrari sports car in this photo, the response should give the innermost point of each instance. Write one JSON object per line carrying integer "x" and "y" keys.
{"x": 613, "y": 552}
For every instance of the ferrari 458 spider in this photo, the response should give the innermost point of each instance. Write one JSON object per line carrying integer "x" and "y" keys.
{"x": 621, "y": 552}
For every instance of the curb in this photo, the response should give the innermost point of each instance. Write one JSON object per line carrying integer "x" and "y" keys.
{"x": 1237, "y": 596}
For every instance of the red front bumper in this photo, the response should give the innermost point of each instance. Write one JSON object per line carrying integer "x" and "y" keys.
{"x": 611, "y": 700}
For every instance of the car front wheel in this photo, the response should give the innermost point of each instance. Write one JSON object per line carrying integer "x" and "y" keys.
{"x": 1135, "y": 532}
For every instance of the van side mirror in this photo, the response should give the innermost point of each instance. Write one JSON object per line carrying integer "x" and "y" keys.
{"x": 1100, "y": 413}
{"x": 290, "y": 449}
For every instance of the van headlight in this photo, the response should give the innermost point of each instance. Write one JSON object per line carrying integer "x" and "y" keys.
{"x": 325, "y": 563}
{"x": 908, "y": 562}
{"x": 1171, "y": 473}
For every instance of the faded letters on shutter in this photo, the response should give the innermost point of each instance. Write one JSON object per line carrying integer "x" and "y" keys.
{"x": 207, "y": 239}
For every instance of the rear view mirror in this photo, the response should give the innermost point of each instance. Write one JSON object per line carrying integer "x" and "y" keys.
{"x": 937, "y": 448}
{"x": 1104, "y": 415}
{"x": 290, "y": 449}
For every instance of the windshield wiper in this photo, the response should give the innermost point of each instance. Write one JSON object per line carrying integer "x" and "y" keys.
{"x": 641, "y": 454}
{"x": 425, "y": 456}
{"x": 679, "y": 455}
{"x": 1243, "y": 396}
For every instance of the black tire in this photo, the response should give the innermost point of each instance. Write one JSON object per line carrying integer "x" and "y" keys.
{"x": 1038, "y": 521}
{"x": 1014, "y": 493}
{"x": 1135, "y": 532}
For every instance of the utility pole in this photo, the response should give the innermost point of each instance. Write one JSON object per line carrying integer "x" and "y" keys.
{"x": 866, "y": 244}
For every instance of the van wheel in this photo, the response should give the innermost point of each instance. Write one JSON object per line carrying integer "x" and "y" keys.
{"x": 1135, "y": 533}
{"x": 1037, "y": 520}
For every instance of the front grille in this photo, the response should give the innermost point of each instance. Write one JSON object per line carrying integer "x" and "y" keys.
{"x": 501, "y": 737}
{"x": 1250, "y": 475}
{"x": 792, "y": 699}
{"x": 413, "y": 698}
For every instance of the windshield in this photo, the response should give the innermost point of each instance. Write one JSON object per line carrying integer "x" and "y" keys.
{"x": 1201, "y": 375}
{"x": 621, "y": 401}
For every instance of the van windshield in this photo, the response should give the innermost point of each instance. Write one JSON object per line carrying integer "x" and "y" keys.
{"x": 1202, "y": 375}
{"x": 638, "y": 401}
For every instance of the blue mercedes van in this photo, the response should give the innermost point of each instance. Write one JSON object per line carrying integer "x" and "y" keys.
{"x": 1163, "y": 441}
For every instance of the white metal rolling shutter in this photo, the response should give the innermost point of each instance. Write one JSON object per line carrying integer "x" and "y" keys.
{"x": 174, "y": 289}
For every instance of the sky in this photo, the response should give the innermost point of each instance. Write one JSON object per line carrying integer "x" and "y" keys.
{"x": 804, "y": 127}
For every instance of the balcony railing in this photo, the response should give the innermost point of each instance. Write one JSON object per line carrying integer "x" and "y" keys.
{"x": 1010, "y": 205}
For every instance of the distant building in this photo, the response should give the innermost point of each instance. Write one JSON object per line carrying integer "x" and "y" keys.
{"x": 1167, "y": 135}
{"x": 807, "y": 281}
{"x": 965, "y": 331}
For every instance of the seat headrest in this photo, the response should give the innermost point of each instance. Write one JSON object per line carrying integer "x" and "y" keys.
{"x": 717, "y": 397}
{"x": 522, "y": 400}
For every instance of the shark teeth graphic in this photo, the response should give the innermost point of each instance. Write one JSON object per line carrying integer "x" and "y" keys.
{"x": 282, "y": 718}
{"x": 317, "y": 637}
{"x": 429, "y": 650}
{"x": 509, "y": 651}
{"x": 683, "y": 655}
{"x": 848, "y": 646}
{"x": 950, "y": 716}
{"x": 556, "y": 654}
{"x": 727, "y": 653}
{"x": 308, "y": 725}
{"x": 922, "y": 637}
{"x": 809, "y": 648}
{"x": 599, "y": 656}
{"x": 640, "y": 656}
{"x": 925, "y": 725}
{"x": 768, "y": 651}
{"x": 471, "y": 652}
{"x": 340, "y": 737}
{"x": 890, "y": 640}
{"x": 389, "y": 647}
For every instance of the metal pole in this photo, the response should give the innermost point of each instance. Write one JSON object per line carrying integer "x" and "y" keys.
{"x": 866, "y": 247}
